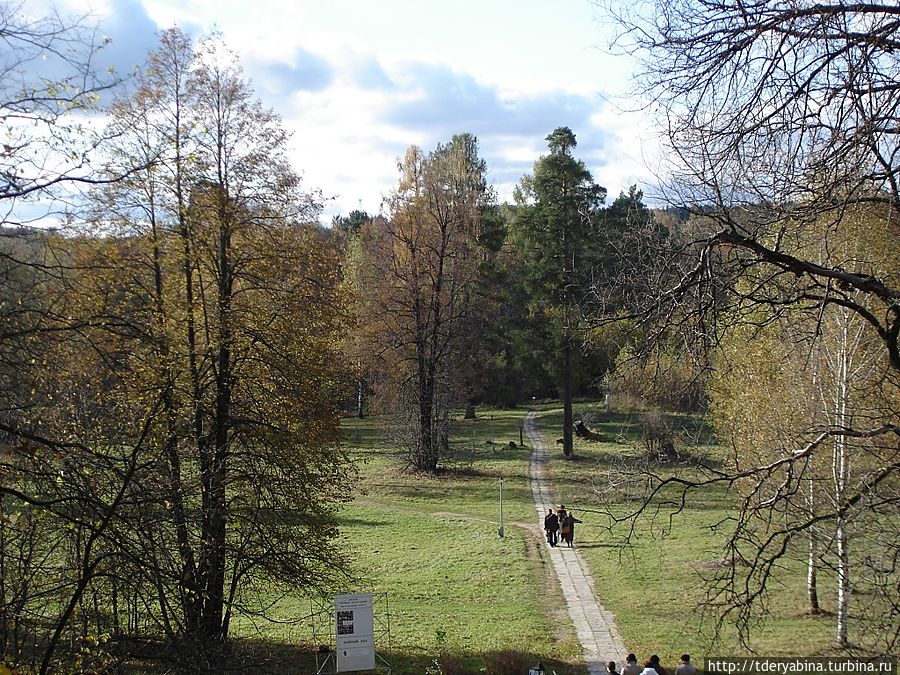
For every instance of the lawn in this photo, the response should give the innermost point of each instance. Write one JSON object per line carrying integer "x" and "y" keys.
{"x": 429, "y": 548}
{"x": 447, "y": 584}
{"x": 655, "y": 585}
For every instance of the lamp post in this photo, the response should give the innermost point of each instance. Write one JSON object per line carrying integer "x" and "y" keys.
{"x": 500, "y": 531}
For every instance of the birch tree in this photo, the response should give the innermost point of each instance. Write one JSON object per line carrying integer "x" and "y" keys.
{"x": 779, "y": 121}
{"x": 806, "y": 405}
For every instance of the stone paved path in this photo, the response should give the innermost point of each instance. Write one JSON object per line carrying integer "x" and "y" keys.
{"x": 594, "y": 625}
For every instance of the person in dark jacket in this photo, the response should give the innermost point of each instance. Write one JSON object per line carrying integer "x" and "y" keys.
{"x": 653, "y": 664}
{"x": 551, "y": 527}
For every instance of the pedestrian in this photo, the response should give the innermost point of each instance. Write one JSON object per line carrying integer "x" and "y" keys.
{"x": 561, "y": 517}
{"x": 568, "y": 528}
{"x": 685, "y": 667}
{"x": 611, "y": 668}
{"x": 631, "y": 666}
{"x": 551, "y": 527}
{"x": 653, "y": 664}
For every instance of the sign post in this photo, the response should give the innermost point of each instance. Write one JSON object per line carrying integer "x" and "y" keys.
{"x": 354, "y": 632}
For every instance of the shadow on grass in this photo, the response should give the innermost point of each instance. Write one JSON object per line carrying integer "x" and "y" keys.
{"x": 273, "y": 657}
{"x": 627, "y": 427}
{"x": 611, "y": 545}
{"x": 686, "y": 459}
{"x": 505, "y": 662}
{"x": 367, "y": 522}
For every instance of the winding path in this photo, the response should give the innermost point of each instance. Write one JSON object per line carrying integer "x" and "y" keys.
{"x": 594, "y": 625}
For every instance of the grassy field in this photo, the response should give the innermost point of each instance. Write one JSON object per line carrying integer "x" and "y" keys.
{"x": 452, "y": 589}
{"x": 655, "y": 586}
{"x": 430, "y": 543}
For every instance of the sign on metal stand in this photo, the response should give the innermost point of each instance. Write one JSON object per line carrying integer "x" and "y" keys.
{"x": 354, "y": 632}
{"x": 352, "y": 625}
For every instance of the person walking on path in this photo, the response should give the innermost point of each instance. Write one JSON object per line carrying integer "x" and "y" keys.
{"x": 595, "y": 626}
{"x": 551, "y": 527}
{"x": 631, "y": 666}
{"x": 685, "y": 667}
{"x": 568, "y": 529}
{"x": 611, "y": 668}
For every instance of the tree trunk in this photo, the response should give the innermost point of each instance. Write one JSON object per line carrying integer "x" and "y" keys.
{"x": 215, "y": 518}
{"x": 568, "y": 444}
{"x": 189, "y": 597}
{"x": 470, "y": 410}
{"x": 359, "y": 398}
{"x": 812, "y": 592}
{"x": 425, "y": 454}
{"x": 843, "y": 599}
{"x": 841, "y": 468}
{"x": 4, "y": 617}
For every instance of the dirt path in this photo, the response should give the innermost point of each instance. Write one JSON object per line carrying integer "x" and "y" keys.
{"x": 594, "y": 625}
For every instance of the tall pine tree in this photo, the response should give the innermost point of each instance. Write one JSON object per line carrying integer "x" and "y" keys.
{"x": 557, "y": 206}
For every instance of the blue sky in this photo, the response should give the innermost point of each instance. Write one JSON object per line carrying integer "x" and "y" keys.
{"x": 359, "y": 81}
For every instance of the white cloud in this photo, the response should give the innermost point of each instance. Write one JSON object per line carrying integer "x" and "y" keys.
{"x": 357, "y": 81}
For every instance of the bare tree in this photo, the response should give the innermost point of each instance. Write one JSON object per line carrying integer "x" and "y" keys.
{"x": 780, "y": 122}
{"x": 776, "y": 115}
{"x": 48, "y": 85}
{"x": 426, "y": 263}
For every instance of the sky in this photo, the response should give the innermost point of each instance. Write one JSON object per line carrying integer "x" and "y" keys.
{"x": 359, "y": 81}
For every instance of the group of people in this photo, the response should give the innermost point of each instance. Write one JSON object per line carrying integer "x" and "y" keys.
{"x": 651, "y": 667}
{"x": 560, "y": 526}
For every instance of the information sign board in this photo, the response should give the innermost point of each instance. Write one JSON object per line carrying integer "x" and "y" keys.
{"x": 354, "y": 632}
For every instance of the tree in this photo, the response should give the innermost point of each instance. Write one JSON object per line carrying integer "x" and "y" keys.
{"x": 354, "y": 269}
{"x": 255, "y": 338}
{"x": 779, "y": 120}
{"x": 197, "y": 389}
{"x": 47, "y": 83}
{"x": 806, "y": 404}
{"x": 777, "y": 115}
{"x": 557, "y": 207}
{"x": 426, "y": 268}
{"x": 351, "y": 223}
{"x": 806, "y": 377}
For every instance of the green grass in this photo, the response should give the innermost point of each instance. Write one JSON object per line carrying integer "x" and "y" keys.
{"x": 430, "y": 543}
{"x": 655, "y": 585}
